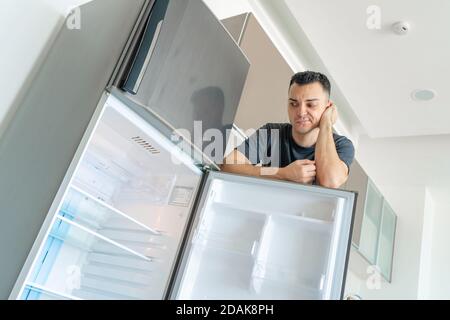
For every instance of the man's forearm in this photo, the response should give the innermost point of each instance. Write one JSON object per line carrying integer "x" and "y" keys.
{"x": 251, "y": 170}
{"x": 237, "y": 163}
{"x": 245, "y": 169}
{"x": 331, "y": 171}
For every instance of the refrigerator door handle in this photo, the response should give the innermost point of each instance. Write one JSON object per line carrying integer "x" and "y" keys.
{"x": 148, "y": 57}
{"x": 146, "y": 46}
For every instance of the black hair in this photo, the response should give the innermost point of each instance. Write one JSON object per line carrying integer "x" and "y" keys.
{"x": 307, "y": 77}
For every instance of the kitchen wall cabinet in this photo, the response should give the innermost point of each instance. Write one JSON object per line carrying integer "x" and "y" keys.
{"x": 265, "y": 94}
{"x": 375, "y": 222}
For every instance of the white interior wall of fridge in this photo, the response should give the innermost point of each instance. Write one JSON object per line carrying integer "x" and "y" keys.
{"x": 118, "y": 228}
{"x": 260, "y": 241}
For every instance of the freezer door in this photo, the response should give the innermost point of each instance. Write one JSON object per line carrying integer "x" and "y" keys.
{"x": 115, "y": 232}
{"x": 189, "y": 70}
{"x": 42, "y": 137}
{"x": 256, "y": 238}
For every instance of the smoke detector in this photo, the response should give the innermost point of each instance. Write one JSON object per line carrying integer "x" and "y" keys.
{"x": 401, "y": 27}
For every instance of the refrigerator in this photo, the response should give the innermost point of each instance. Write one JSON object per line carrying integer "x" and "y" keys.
{"x": 141, "y": 218}
{"x": 102, "y": 197}
{"x": 170, "y": 56}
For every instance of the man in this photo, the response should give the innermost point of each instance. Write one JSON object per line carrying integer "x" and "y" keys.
{"x": 306, "y": 150}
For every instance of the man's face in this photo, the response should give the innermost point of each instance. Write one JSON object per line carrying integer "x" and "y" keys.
{"x": 306, "y": 105}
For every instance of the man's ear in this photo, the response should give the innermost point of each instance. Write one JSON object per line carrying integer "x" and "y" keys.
{"x": 330, "y": 103}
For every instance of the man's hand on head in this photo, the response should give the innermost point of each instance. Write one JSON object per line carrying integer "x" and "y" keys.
{"x": 329, "y": 116}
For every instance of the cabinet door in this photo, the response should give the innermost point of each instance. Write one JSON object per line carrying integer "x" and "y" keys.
{"x": 256, "y": 109}
{"x": 386, "y": 239}
{"x": 357, "y": 181}
{"x": 368, "y": 245}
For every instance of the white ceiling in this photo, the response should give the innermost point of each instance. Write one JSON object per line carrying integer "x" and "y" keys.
{"x": 376, "y": 69}
{"x": 64, "y": 6}
{"x": 226, "y": 8}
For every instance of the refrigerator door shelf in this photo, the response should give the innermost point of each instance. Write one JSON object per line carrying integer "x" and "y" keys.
{"x": 229, "y": 227}
{"x": 235, "y": 231}
{"x": 270, "y": 289}
{"x": 256, "y": 238}
{"x": 317, "y": 205}
{"x": 292, "y": 253}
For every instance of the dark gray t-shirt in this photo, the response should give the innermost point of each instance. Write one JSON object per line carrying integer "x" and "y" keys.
{"x": 273, "y": 146}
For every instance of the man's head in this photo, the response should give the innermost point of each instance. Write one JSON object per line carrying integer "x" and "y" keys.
{"x": 309, "y": 97}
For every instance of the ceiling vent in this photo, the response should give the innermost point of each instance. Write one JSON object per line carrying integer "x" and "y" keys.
{"x": 423, "y": 95}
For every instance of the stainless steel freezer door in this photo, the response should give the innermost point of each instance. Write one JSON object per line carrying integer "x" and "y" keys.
{"x": 255, "y": 238}
{"x": 196, "y": 71}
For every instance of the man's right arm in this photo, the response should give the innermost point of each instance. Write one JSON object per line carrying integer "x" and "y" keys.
{"x": 301, "y": 171}
{"x": 238, "y": 163}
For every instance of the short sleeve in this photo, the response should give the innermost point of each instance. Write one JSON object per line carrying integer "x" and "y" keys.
{"x": 257, "y": 146}
{"x": 345, "y": 150}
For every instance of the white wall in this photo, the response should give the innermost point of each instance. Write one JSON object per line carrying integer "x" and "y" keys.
{"x": 425, "y": 274}
{"x": 64, "y": 6}
{"x": 26, "y": 29}
{"x": 440, "y": 254}
{"x": 398, "y": 162}
{"x": 381, "y": 161}
{"x": 408, "y": 203}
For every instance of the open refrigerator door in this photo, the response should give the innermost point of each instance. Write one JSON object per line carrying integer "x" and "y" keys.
{"x": 256, "y": 238}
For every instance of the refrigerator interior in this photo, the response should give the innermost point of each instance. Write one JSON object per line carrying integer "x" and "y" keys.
{"x": 255, "y": 240}
{"x": 117, "y": 230}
